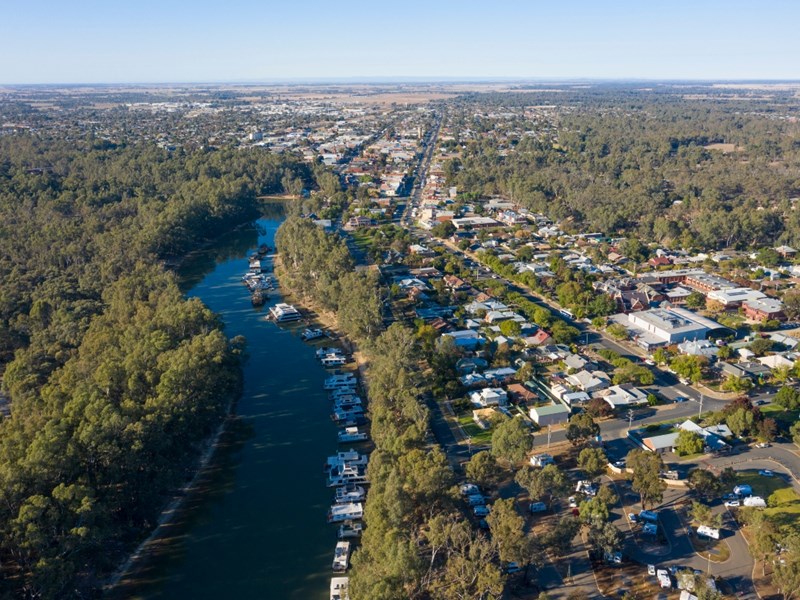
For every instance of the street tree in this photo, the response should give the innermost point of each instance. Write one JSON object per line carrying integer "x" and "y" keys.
{"x": 483, "y": 469}
{"x": 581, "y": 428}
{"x": 787, "y": 398}
{"x": 593, "y": 462}
{"x": 646, "y": 478}
{"x": 512, "y": 440}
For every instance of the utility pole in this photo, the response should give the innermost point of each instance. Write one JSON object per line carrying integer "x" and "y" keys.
{"x": 630, "y": 418}
{"x": 549, "y": 430}
{"x": 700, "y": 410}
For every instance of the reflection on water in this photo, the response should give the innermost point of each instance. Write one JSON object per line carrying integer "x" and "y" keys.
{"x": 257, "y": 526}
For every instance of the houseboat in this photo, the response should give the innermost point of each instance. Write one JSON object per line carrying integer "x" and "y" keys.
{"x": 346, "y": 457}
{"x": 333, "y": 360}
{"x": 345, "y": 512}
{"x": 344, "y": 400}
{"x": 339, "y": 392}
{"x": 345, "y": 474}
{"x": 350, "y": 529}
{"x": 323, "y": 352}
{"x": 339, "y": 586}
{"x": 339, "y": 381}
{"x": 347, "y": 415}
{"x": 349, "y": 493}
{"x": 341, "y": 557}
{"x": 258, "y": 298}
{"x": 351, "y": 434}
{"x": 284, "y": 313}
{"x": 311, "y": 334}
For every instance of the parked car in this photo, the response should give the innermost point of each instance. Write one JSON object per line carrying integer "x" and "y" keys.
{"x": 469, "y": 489}
{"x": 732, "y": 503}
{"x": 512, "y": 567}
{"x": 679, "y": 399}
{"x": 633, "y": 518}
{"x": 572, "y": 502}
{"x": 763, "y": 445}
{"x": 620, "y": 464}
{"x": 766, "y": 473}
{"x": 481, "y": 511}
{"x": 651, "y": 569}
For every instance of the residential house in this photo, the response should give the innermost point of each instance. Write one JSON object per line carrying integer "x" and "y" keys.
{"x": 622, "y": 395}
{"x": 589, "y": 381}
{"x": 489, "y": 397}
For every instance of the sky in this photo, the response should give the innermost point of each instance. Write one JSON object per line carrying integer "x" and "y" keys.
{"x": 150, "y": 41}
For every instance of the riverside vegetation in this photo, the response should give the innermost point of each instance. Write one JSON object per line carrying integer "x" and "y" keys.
{"x": 114, "y": 379}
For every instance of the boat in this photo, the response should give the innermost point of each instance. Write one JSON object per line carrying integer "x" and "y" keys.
{"x": 345, "y": 512}
{"x": 255, "y": 265}
{"x": 262, "y": 251}
{"x": 347, "y": 414}
{"x": 346, "y": 457}
{"x": 339, "y": 381}
{"x": 258, "y": 298}
{"x": 344, "y": 474}
{"x": 347, "y": 400}
{"x": 283, "y": 313}
{"x": 323, "y": 352}
{"x": 339, "y": 587}
{"x": 340, "y": 392}
{"x": 351, "y": 434}
{"x": 350, "y": 529}
{"x": 341, "y": 557}
{"x": 311, "y": 334}
{"x": 333, "y": 361}
{"x": 349, "y": 493}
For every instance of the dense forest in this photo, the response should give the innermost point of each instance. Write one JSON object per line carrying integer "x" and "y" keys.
{"x": 622, "y": 162}
{"x": 114, "y": 380}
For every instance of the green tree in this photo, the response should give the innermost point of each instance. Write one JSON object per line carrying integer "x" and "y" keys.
{"x": 646, "y": 478}
{"x": 742, "y": 422}
{"x": 760, "y": 346}
{"x": 581, "y": 428}
{"x": 689, "y": 366}
{"x": 483, "y": 469}
{"x": 507, "y": 528}
{"x": 703, "y": 515}
{"x": 696, "y": 300}
{"x": 559, "y": 536}
{"x": 593, "y": 462}
{"x": 617, "y": 331}
{"x": 510, "y": 328}
{"x": 704, "y": 483}
{"x": 605, "y": 538}
{"x": 788, "y": 398}
{"x": 689, "y": 442}
{"x": 548, "y": 481}
{"x": 512, "y": 440}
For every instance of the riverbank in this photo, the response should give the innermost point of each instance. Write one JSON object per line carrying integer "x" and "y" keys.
{"x": 172, "y": 512}
{"x": 326, "y": 319}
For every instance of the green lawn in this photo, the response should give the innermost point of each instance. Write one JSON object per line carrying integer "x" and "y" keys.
{"x": 362, "y": 240}
{"x": 479, "y": 436}
{"x": 786, "y": 418}
{"x": 763, "y": 486}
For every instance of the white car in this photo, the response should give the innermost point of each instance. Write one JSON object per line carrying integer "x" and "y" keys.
{"x": 766, "y": 473}
{"x": 732, "y": 503}
{"x": 572, "y": 502}
{"x": 651, "y": 569}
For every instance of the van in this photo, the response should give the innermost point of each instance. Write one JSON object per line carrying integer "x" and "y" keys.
{"x": 537, "y": 507}
{"x": 566, "y": 313}
{"x": 649, "y": 516}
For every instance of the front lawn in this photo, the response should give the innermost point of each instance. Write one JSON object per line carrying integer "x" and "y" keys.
{"x": 479, "y": 436}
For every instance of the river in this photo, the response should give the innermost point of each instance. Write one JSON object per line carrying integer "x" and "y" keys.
{"x": 257, "y": 527}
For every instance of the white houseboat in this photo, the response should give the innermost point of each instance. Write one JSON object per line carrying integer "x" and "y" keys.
{"x": 350, "y": 529}
{"x": 311, "y": 334}
{"x": 350, "y": 493}
{"x": 333, "y": 360}
{"x": 284, "y": 313}
{"x": 339, "y": 587}
{"x": 339, "y": 381}
{"x": 345, "y": 474}
{"x": 346, "y": 457}
{"x": 322, "y": 352}
{"x": 341, "y": 557}
{"x": 351, "y": 434}
{"x": 345, "y": 512}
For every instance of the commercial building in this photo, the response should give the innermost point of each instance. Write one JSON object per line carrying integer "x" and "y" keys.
{"x": 549, "y": 415}
{"x": 662, "y": 326}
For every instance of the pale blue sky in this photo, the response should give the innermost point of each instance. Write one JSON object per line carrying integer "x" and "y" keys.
{"x": 91, "y": 41}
